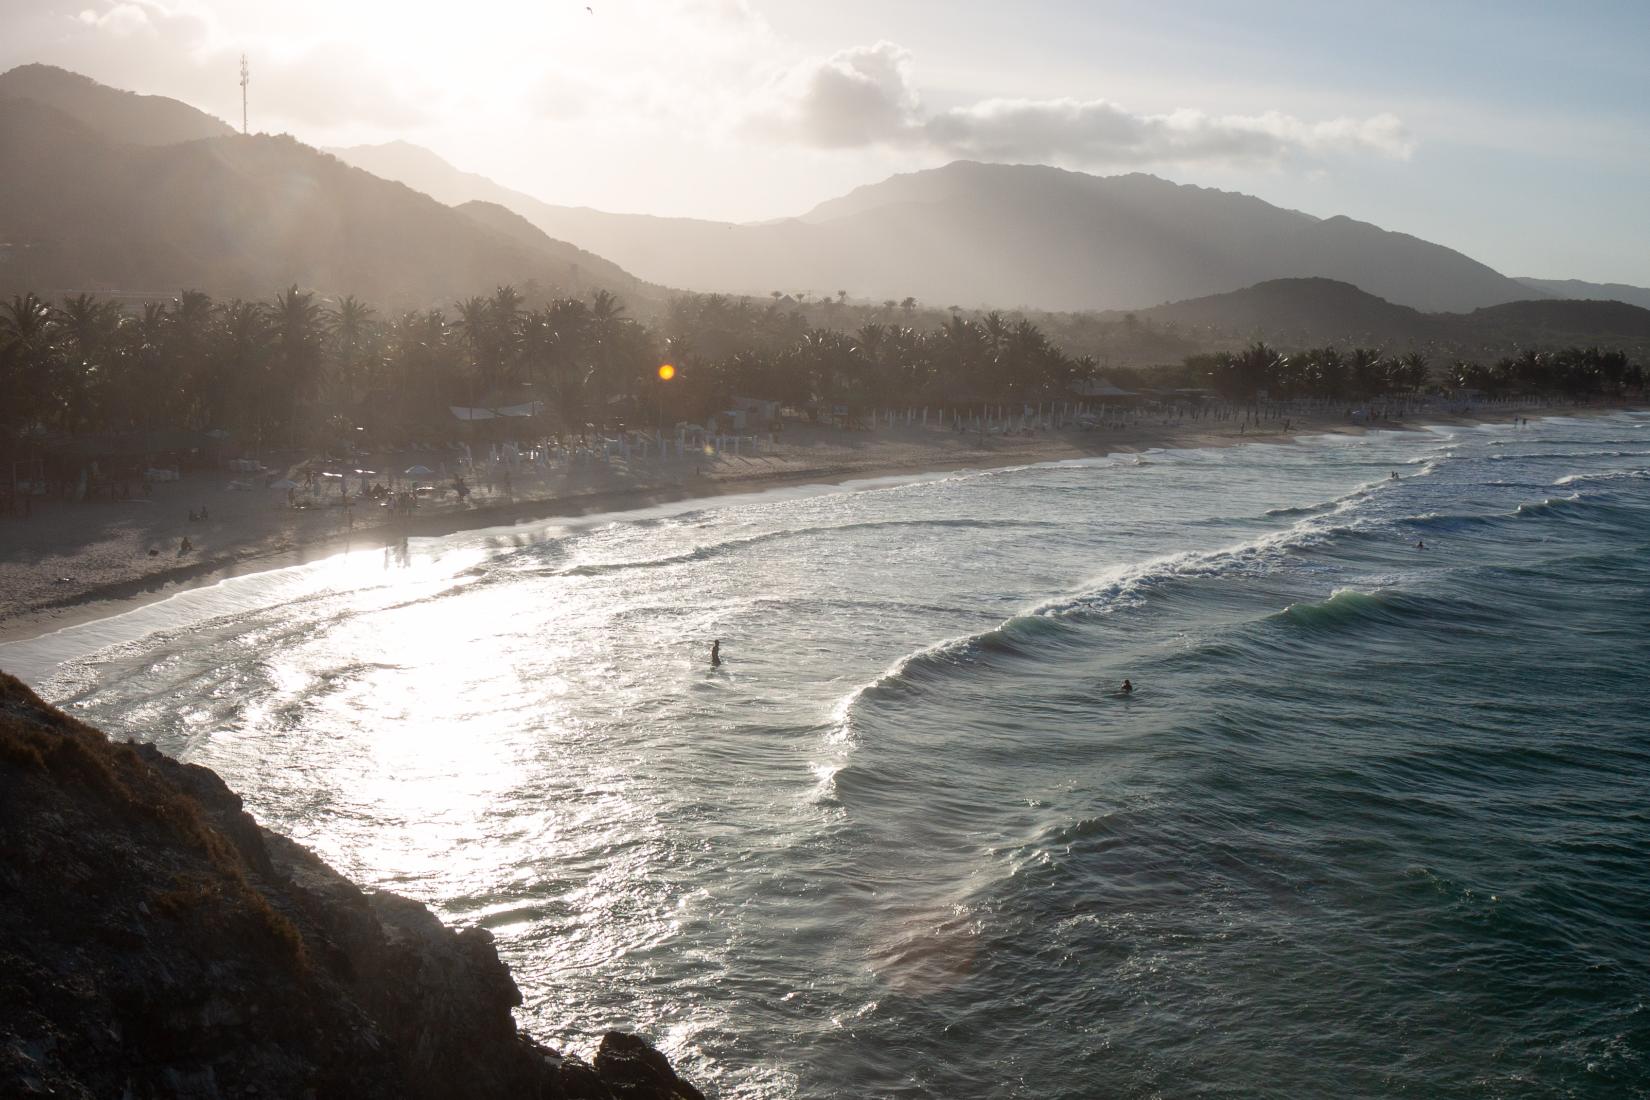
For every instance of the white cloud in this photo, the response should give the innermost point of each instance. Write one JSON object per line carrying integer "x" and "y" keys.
{"x": 121, "y": 19}
{"x": 864, "y": 96}
{"x": 858, "y": 97}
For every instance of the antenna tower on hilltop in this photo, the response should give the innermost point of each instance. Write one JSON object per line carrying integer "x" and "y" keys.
{"x": 244, "y": 78}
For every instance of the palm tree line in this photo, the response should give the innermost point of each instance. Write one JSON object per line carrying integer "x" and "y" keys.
{"x": 299, "y": 370}
{"x": 1359, "y": 373}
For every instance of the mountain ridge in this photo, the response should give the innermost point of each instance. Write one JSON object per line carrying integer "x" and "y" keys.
{"x": 1581, "y": 289}
{"x": 1312, "y": 312}
{"x": 244, "y": 215}
{"x": 974, "y": 233}
{"x": 117, "y": 115}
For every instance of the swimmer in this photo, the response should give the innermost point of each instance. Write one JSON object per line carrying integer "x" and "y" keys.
{"x": 1420, "y": 544}
{"x": 716, "y": 653}
{"x": 1128, "y": 688}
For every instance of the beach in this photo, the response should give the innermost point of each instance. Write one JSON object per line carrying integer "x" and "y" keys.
{"x": 910, "y": 792}
{"x": 71, "y": 562}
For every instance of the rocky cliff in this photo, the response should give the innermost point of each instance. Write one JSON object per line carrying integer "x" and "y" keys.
{"x": 156, "y": 942}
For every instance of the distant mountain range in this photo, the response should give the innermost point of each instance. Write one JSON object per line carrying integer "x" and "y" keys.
{"x": 1600, "y": 292}
{"x": 1299, "y": 313}
{"x": 119, "y": 194}
{"x": 990, "y": 234}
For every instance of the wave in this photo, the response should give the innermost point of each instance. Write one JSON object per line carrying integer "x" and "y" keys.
{"x": 708, "y": 551}
{"x": 1345, "y": 606}
{"x": 1059, "y": 621}
{"x": 1337, "y": 504}
{"x": 1593, "y": 505}
{"x": 1613, "y": 475}
{"x": 1567, "y": 454}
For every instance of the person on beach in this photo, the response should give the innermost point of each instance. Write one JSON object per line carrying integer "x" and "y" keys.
{"x": 716, "y": 653}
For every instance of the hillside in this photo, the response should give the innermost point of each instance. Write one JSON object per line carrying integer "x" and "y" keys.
{"x": 245, "y": 216}
{"x": 118, "y": 194}
{"x": 155, "y": 941}
{"x": 108, "y": 112}
{"x": 1005, "y": 235}
{"x": 1298, "y": 313}
{"x": 1602, "y": 292}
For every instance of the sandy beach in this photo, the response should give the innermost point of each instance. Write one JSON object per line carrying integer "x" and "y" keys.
{"x": 73, "y": 561}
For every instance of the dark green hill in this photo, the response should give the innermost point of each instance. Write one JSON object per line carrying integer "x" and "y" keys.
{"x": 1298, "y": 313}
{"x": 1574, "y": 321}
{"x": 1301, "y": 313}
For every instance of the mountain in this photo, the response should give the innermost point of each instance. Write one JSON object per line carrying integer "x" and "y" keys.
{"x": 998, "y": 234}
{"x": 1604, "y": 292}
{"x": 424, "y": 171}
{"x": 109, "y": 112}
{"x": 1295, "y": 313}
{"x": 245, "y": 216}
{"x": 1298, "y": 313}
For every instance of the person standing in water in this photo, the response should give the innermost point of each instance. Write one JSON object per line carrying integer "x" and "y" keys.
{"x": 1128, "y": 688}
{"x": 716, "y": 653}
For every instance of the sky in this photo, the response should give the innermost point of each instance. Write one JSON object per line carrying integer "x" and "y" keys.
{"x": 1518, "y": 133}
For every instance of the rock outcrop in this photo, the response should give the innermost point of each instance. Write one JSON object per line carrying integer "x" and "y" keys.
{"x": 156, "y": 942}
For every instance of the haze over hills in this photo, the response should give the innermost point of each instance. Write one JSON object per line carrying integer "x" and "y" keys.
{"x": 238, "y": 216}
{"x": 1007, "y": 235}
{"x": 1300, "y": 313}
{"x": 110, "y": 112}
{"x": 1577, "y": 288}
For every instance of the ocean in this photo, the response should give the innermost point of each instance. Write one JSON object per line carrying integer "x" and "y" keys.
{"x": 1375, "y": 820}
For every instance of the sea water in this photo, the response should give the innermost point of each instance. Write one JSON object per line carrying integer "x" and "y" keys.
{"x": 1375, "y": 820}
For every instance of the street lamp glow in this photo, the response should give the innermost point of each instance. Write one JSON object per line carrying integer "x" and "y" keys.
{"x": 666, "y": 372}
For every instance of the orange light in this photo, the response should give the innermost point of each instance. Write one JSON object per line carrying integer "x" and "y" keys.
{"x": 666, "y": 372}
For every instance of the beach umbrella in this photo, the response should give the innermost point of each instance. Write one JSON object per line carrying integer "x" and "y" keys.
{"x": 419, "y": 471}
{"x": 284, "y": 483}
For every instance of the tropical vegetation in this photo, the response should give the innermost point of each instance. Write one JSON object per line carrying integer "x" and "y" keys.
{"x": 298, "y": 370}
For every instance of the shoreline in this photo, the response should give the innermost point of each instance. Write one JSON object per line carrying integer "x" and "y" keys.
{"x": 248, "y": 556}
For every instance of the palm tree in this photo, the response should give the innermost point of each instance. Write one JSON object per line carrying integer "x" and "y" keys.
{"x": 27, "y": 352}
{"x": 605, "y": 327}
{"x": 1412, "y": 371}
{"x": 295, "y": 321}
{"x": 1364, "y": 367}
{"x": 351, "y": 330}
{"x": 85, "y": 332}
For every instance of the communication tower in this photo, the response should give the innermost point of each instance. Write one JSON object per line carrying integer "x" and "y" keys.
{"x": 244, "y": 77}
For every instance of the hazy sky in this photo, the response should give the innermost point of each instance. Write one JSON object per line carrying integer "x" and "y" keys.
{"x": 1516, "y": 132}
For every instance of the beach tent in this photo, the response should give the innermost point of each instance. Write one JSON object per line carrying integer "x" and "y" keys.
{"x": 419, "y": 471}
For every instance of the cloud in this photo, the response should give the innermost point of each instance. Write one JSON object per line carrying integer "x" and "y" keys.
{"x": 864, "y": 96}
{"x": 859, "y": 97}
{"x": 121, "y": 19}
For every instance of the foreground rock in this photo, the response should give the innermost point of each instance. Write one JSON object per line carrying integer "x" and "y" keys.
{"x": 156, "y": 942}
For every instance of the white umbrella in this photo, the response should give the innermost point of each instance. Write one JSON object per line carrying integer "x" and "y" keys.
{"x": 419, "y": 471}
